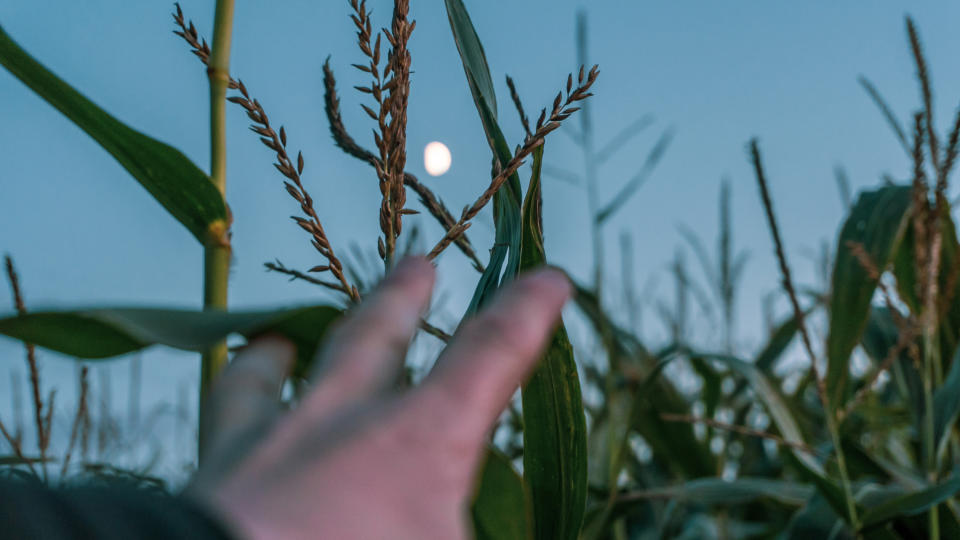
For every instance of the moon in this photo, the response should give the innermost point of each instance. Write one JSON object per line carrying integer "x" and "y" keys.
{"x": 436, "y": 158}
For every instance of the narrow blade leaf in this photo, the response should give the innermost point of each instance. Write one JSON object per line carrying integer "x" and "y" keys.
{"x": 108, "y": 332}
{"x": 500, "y": 506}
{"x": 905, "y": 272}
{"x": 471, "y": 52}
{"x": 769, "y": 395}
{"x": 877, "y": 222}
{"x": 506, "y": 202}
{"x": 911, "y": 503}
{"x": 555, "y": 429}
{"x": 720, "y": 492}
{"x": 946, "y": 405}
{"x": 776, "y": 406}
{"x": 173, "y": 180}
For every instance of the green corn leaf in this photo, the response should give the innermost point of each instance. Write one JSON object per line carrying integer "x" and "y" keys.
{"x": 905, "y": 271}
{"x": 665, "y": 437}
{"x": 471, "y": 52}
{"x": 918, "y": 525}
{"x": 641, "y": 409}
{"x": 507, "y": 224}
{"x": 506, "y": 218}
{"x": 711, "y": 392}
{"x": 877, "y": 222}
{"x": 880, "y": 336}
{"x": 710, "y": 492}
{"x": 720, "y": 492}
{"x": 817, "y": 519}
{"x": 946, "y": 405}
{"x": 555, "y": 429}
{"x": 773, "y": 402}
{"x": 506, "y": 202}
{"x": 782, "y": 336}
{"x": 108, "y": 332}
{"x": 532, "y": 253}
{"x": 173, "y": 180}
{"x": 783, "y": 419}
{"x": 500, "y": 506}
{"x": 911, "y": 503}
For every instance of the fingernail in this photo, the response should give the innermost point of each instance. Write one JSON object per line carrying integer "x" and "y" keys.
{"x": 409, "y": 267}
{"x": 275, "y": 341}
{"x": 554, "y": 280}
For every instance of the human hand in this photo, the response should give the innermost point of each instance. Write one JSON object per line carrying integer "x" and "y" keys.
{"x": 356, "y": 459}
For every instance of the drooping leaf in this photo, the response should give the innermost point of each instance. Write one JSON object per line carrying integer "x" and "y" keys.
{"x": 108, "y": 332}
{"x": 689, "y": 498}
{"x": 173, "y": 180}
{"x": 500, "y": 507}
{"x": 911, "y": 503}
{"x": 555, "y": 429}
{"x": 877, "y": 222}
{"x": 720, "y": 492}
{"x": 13, "y": 460}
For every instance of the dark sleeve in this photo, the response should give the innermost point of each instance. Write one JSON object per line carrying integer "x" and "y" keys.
{"x": 33, "y": 511}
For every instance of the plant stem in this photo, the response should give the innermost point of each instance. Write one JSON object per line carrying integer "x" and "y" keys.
{"x": 929, "y": 442}
{"x": 590, "y": 166}
{"x": 842, "y": 466}
{"x": 593, "y": 206}
{"x": 216, "y": 253}
{"x": 828, "y": 410}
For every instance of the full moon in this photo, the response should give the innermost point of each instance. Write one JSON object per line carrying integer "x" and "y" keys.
{"x": 436, "y": 158}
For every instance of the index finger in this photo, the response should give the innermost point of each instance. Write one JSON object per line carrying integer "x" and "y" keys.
{"x": 492, "y": 354}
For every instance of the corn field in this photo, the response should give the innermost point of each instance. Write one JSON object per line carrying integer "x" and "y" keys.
{"x": 616, "y": 438}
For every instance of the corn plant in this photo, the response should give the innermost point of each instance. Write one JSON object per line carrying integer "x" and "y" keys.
{"x": 554, "y": 472}
{"x": 834, "y": 454}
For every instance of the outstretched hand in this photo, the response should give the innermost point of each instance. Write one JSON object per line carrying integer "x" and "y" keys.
{"x": 357, "y": 459}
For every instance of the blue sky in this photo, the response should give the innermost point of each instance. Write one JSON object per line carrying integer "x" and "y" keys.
{"x": 84, "y": 233}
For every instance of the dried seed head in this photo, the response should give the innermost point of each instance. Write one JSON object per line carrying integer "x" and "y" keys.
{"x": 261, "y": 126}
